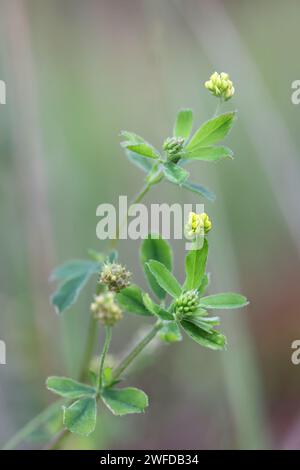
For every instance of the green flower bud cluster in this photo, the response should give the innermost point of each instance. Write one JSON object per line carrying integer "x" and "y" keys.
{"x": 115, "y": 277}
{"x": 105, "y": 309}
{"x": 186, "y": 304}
{"x": 173, "y": 146}
{"x": 220, "y": 85}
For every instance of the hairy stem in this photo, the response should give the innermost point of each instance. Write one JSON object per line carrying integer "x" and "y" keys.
{"x": 136, "y": 351}
{"x": 102, "y": 357}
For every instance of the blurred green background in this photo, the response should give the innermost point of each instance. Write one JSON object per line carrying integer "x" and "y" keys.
{"x": 76, "y": 74}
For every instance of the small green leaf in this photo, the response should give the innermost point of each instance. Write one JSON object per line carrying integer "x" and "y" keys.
{"x": 213, "y": 340}
{"x": 184, "y": 123}
{"x": 144, "y": 149}
{"x": 142, "y": 163}
{"x": 75, "y": 275}
{"x": 156, "y": 309}
{"x": 224, "y": 301}
{"x": 170, "y": 332}
{"x": 80, "y": 417}
{"x": 208, "y": 154}
{"x": 67, "y": 293}
{"x": 131, "y": 300}
{"x": 75, "y": 268}
{"x": 69, "y": 388}
{"x": 158, "y": 249}
{"x": 212, "y": 131}
{"x": 125, "y": 401}
{"x": 138, "y": 145}
{"x": 195, "y": 264}
{"x": 198, "y": 189}
{"x": 165, "y": 278}
{"x": 175, "y": 173}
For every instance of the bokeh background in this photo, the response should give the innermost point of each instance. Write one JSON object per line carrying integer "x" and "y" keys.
{"x": 76, "y": 74}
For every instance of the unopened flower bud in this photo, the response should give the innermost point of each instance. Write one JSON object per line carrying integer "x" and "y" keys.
{"x": 173, "y": 146}
{"x": 198, "y": 224}
{"x": 220, "y": 85}
{"x": 186, "y": 304}
{"x": 105, "y": 309}
{"x": 115, "y": 276}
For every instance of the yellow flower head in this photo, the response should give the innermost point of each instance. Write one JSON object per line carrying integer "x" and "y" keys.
{"x": 198, "y": 224}
{"x": 220, "y": 85}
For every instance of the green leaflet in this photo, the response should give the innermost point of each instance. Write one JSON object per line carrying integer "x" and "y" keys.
{"x": 75, "y": 268}
{"x": 224, "y": 301}
{"x": 208, "y": 154}
{"x": 213, "y": 340}
{"x": 125, "y": 401}
{"x": 80, "y": 417}
{"x": 67, "y": 294}
{"x": 156, "y": 309}
{"x": 144, "y": 149}
{"x": 159, "y": 250}
{"x": 212, "y": 131}
{"x": 195, "y": 265}
{"x": 184, "y": 123}
{"x": 165, "y": 278}
{"x": 130, "y": 299}
{"x": 75, "y": 275}
{"x": 175, "y": 173}
{"x": 198, "y": 189}
{"x": 69, "y": 388}
{"x": 141, "y": 162}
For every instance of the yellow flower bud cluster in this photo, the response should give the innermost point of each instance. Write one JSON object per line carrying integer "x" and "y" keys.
{"x": 198, "y": 224}
{"x": 220, "y": 85}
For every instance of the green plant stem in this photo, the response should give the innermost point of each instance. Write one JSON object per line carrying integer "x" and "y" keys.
{"x": 89, "y": 349}
{"x": 218, "y": 108}
{"x": 102, "y": 357}
{"x": 136, "y": 351}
